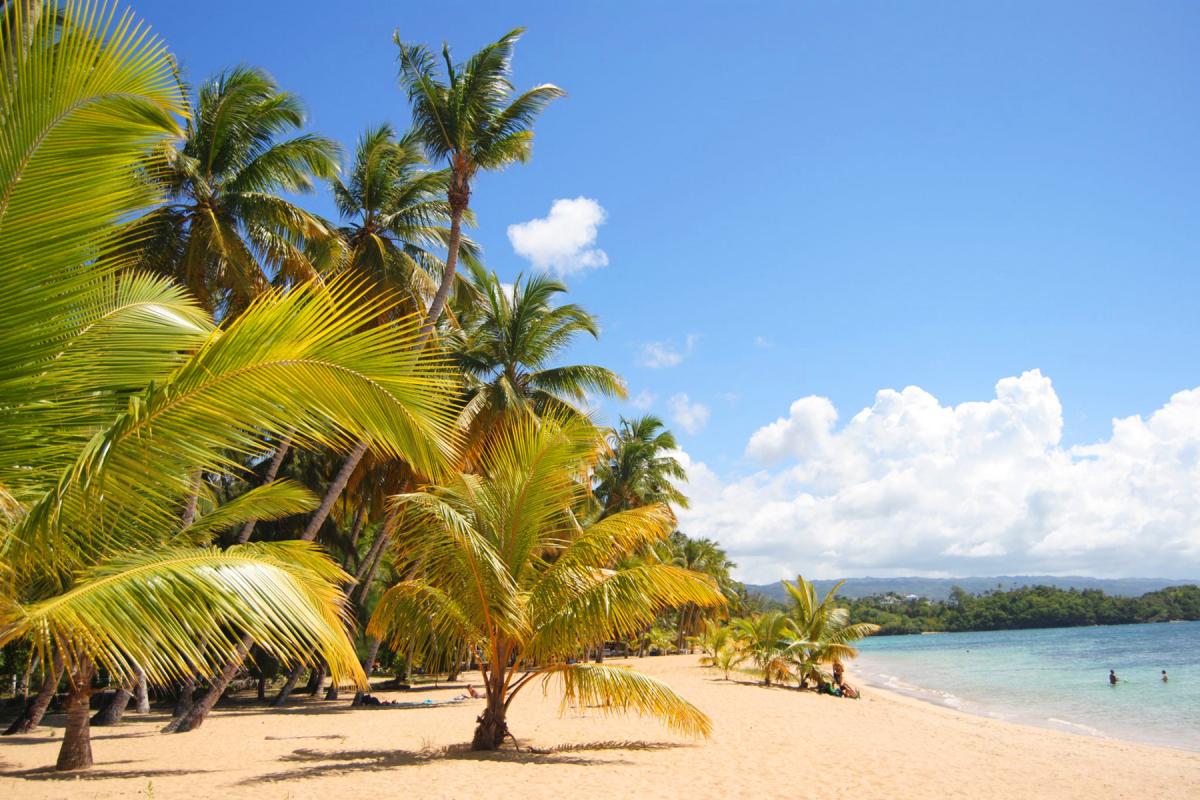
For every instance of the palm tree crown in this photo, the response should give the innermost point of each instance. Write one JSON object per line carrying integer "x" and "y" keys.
{"x": 225, "y": 232}
{"x": 396, "y": 215}
{"x": 640, "y": 469}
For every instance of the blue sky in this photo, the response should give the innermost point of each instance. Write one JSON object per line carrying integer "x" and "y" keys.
{"x": 825, "y": 199}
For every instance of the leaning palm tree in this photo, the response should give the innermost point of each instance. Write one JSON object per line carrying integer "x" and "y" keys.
{"x": 117, "y": 390}
{"x": 226, "y": 231}
{"x": 500, "y": 562}
{"x": 470, "y": 121}
{"x": 641, "y": 468}
{"x": 396, "y": 216}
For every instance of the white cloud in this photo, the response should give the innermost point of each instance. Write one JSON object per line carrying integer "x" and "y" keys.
{"x": 763, "y": 343}
{"x": 692, "y": 417}
{"x": 659, "y": 355}
{"x": 643, "y": 400}
{"x": 910, "y": 486}
{"x": 563, "y": 241}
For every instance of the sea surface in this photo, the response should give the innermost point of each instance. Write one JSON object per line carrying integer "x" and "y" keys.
{"x": 1054, "y": 677}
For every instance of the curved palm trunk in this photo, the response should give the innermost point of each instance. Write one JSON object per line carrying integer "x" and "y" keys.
{"x": 334, "y": 492}
{"x": 288, "y": 687}
{"x": 76, "y": 750}
{"x": 459, "y": 196}
{"x": 35, "y": 709}
{"x": 198, "y": 712}
{"x": 272, "y": 474}
{"x": 114, "y": 709}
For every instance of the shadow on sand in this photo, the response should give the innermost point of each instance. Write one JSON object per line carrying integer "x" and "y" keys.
{"x": 344, "y": 761}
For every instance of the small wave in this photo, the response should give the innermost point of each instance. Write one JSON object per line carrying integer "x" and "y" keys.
{"x": 1077, "y": 727}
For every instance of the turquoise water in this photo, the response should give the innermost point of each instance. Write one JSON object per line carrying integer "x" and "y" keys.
{"x": 1055, "y": 677}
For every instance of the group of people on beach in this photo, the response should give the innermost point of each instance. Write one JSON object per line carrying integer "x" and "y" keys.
{"x": 1113, "y": 680}
{"x": 839, "y": 687}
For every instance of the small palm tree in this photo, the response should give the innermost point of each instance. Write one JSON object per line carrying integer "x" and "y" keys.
{"x": 765, "y": 639}
{"x": 499, "y": 562}
{"x": 727, "y": 658}
{"x": 226, "y": 232}
{"x": 471, "y": 121}
{"x": 823, "y": 632}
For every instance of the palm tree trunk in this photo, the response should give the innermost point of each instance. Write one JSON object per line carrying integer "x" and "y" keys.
{"x": 36, "y": 708}
{"x": 141, "y": 692}
{"x": 272, "y": 473}
{"x": 30, "y": 666}
{"x": 76, "y": 750}
{"x": 490, "y": 726}
{"x": 459, "y": 196}
{"x": 289, "y": 685}
{"x": 368, "y": 664}
{"x": 316, "y": 679}
{"x": 335, "y": 491}
{"x": 114, "y": 709}
{"x": 198, "y": 712}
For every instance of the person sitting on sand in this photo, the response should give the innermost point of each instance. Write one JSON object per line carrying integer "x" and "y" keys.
{"x": 849, "y": 691}
{"x": 1112, "y": 678}
{"x": 471, "y": 690}
{"x": 1164, "y": 676}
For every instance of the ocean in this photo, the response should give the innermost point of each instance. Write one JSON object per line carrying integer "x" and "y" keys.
{"x": 1054, "y": 677}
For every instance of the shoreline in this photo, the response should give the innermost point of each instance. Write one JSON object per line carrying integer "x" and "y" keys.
{"x": 884, "y": 745}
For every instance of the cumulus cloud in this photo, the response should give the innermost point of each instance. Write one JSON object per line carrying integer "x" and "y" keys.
{"x": 659, "y": 355}
{"x": 692, "y": 417}
{"x": 563, "y": 241}
{"x": 911, "y": 486}
{"x": 643, "y": 400}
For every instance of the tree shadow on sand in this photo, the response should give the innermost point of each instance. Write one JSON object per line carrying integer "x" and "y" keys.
{"x": 344, "y": 761}
{"x": 99, "y": 773}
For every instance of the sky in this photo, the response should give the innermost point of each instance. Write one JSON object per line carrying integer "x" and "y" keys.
{"x": 914, "y": 284}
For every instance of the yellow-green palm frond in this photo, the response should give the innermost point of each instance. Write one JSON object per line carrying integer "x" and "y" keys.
{"x": 179, "y": 611}
{"x": 304, "y": 361}
{"x": 610, "y": 604}
{"x": 619, "y": 690}
{"x": 82, "y": 102}
{"x": 413, "y": 612}
{"x": 275, "y": 500}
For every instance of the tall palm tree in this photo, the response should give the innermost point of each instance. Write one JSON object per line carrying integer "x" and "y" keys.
{"x": 500, "y": 562}
{"x": 116, "y": 389}
{"x": 470, "y": 120}
{"x": 640, "y": 469}
{"x": 396, "y": 216}
{"x": 507, "y": 344}
{"x": 707, "y": 558}
{"x": 226, "y": 232}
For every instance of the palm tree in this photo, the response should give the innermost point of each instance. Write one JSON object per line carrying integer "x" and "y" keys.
{"x": 640, "y": 469}
{"x": 471, "y": 121}
{"x": 396, "y": 216}
{"x": 116, "y": 389}
{"x": 500, "y": 562}
{"x": 506, "y": 347}
{"x": 765, "y": 638}
{"x": 225, "y": 231}
{"x": 707, "y": 558}
{"x": 824, "y": 633}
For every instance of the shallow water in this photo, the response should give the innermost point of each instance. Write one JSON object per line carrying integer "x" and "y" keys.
{"x": 1055, "y": 677}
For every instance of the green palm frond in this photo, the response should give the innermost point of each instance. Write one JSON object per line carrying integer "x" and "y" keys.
{"x": 184, "y": 610}
{"x": 618, "y": 690}
{"x": 275, "y": 500}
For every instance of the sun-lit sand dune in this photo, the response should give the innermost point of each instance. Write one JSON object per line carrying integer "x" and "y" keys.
{"x": 766, "y": 743}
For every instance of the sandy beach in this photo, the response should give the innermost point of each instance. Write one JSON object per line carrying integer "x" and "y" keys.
{"x": 766, "y": 743}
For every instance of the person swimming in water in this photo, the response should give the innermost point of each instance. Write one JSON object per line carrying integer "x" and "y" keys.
{"x": 1164, "y": 676}
{"x": 1112, "y": 678}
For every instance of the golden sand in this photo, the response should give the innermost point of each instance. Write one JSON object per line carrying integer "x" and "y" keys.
{"x": 766, "y": 743}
